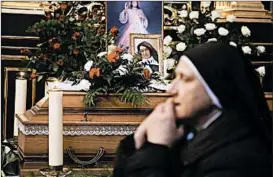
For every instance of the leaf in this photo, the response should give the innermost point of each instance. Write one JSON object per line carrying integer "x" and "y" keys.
{"x": 40, "y": 78}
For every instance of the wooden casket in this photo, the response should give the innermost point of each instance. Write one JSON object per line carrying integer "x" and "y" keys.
{"x": 86, "y": 130}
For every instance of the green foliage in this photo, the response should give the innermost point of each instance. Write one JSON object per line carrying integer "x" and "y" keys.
{"x": 73, "y": 41}
{"x": 134, "y": 97}
{"x": 69, "y": 35}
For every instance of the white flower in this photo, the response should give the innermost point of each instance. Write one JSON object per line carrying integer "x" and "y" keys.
{"x": 194, "y": 14}
{"x": 127, "y": 56}
{"x": 205, "y": 3}
{"x": 183, "y": 13}
{"x": 212, "y": 39}
{"x": 71, "y": 19}
{"x": 102, "y": 18}
{"x": 101, "y": 54}
{"x": 122, "y": 70}
{"x": 181, "y": 46}
{"x": 167, "y": 40}
{"x": 181, "y": 28}
{"x": 167, "y": 51}
{"x": 246, "y": 49}
{"x": 245, "y": 31}
{"x": 261, "y": 70}
{"x": 232, "y": 44}
{"x": 231, "y": 18}
{"x": 210, "y": 26}
{"x": 84, "y": 84}
{"x": 223, "y": 31}
{"x": 199, "y": 31}
{"x": 88, "y": 65}
{"x": 260, "y": 49}
{"x": 214, "y": 15}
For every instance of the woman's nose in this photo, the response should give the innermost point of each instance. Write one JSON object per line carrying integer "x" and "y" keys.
{"x": 171, "y": 88}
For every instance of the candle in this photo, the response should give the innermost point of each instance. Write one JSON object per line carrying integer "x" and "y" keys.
{"x": 20, "y": 100}
{"x": 55, "y": 127}
{"x": 50, "y": 83}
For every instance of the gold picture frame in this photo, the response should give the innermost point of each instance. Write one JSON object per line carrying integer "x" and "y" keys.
{"x": 153, "y": 39}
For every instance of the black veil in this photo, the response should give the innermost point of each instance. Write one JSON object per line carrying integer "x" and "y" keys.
{"x": 233, "y": 80}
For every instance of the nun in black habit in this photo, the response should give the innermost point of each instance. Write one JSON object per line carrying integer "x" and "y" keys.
{"x": 226, "y": 124}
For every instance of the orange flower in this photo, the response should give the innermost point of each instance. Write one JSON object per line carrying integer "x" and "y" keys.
{"x": 76, "y": 51}
{"x": 94, "y": 72}
{"x": 56, "y": 46}
{"x": 147, "y": 74}
{"x": 114, "y": 31}
{"x": 77, "y": 34}
{"x": 60, "y": 62}
{"x": 112, "y": 57}
{"x": 63, "y": 6}
{"x": 33, "y": 75}
{"x": 119, "y": 49}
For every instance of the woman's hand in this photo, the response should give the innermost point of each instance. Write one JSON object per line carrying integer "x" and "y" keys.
{"x": 159, "y": 127}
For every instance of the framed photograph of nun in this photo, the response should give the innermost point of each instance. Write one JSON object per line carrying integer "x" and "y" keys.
{"x": 149, "y": 49}
{"x": 143, "y": 17}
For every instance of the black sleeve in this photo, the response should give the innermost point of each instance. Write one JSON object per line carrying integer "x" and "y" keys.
{"x": 151, "y": 160}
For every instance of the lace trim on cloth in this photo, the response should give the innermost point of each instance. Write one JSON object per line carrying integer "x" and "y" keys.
{"x": 78, "y": 130}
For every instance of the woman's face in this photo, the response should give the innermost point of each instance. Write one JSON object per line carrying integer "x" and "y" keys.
{"x": 189, "y": 95}
{"x": 134, "y": 3}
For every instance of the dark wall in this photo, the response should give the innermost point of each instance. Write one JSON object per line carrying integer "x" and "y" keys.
{"x": 14, "y": 25}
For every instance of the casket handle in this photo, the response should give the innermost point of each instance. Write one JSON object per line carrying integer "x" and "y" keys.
{"x": 71, "y": 154}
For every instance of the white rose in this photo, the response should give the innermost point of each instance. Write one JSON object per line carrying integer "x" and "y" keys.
{"x": 181, "y": 46}
{"x": 127, "y": 56}
{"x": 167, "y": 51}
{"x": 84, "y": 84}
{"x": 101, "y": 54}
{"x": 183, "y": 13}
{"x": 246, "y": 49}
{"x": 122, "y": 70}
{"x": 223, "y": 31}
{"x": 232, "y": 44}
{"x": 260, "y": 49}
{"x": 194, "y": 14}
{"x": 205, "y": 4}
{"x": 210, "y": 26}
{"x": 167, "y": 40}
{"x": 199, "y": 31}
{"x": 245, "y": 31}
{"x": 212, "y": 39}
{"x": 181, "y": 28}
{"x": 214, "y": 15}
{"x": 231, "y": 18}
{"x": 261, "y": 70}
{"x": 88, "y": 65}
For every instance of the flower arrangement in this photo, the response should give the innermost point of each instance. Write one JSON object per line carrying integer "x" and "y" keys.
{"x": 199, "y": 26}
{"x": 73, "y": 47}
{"x": 70, "y": 34}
